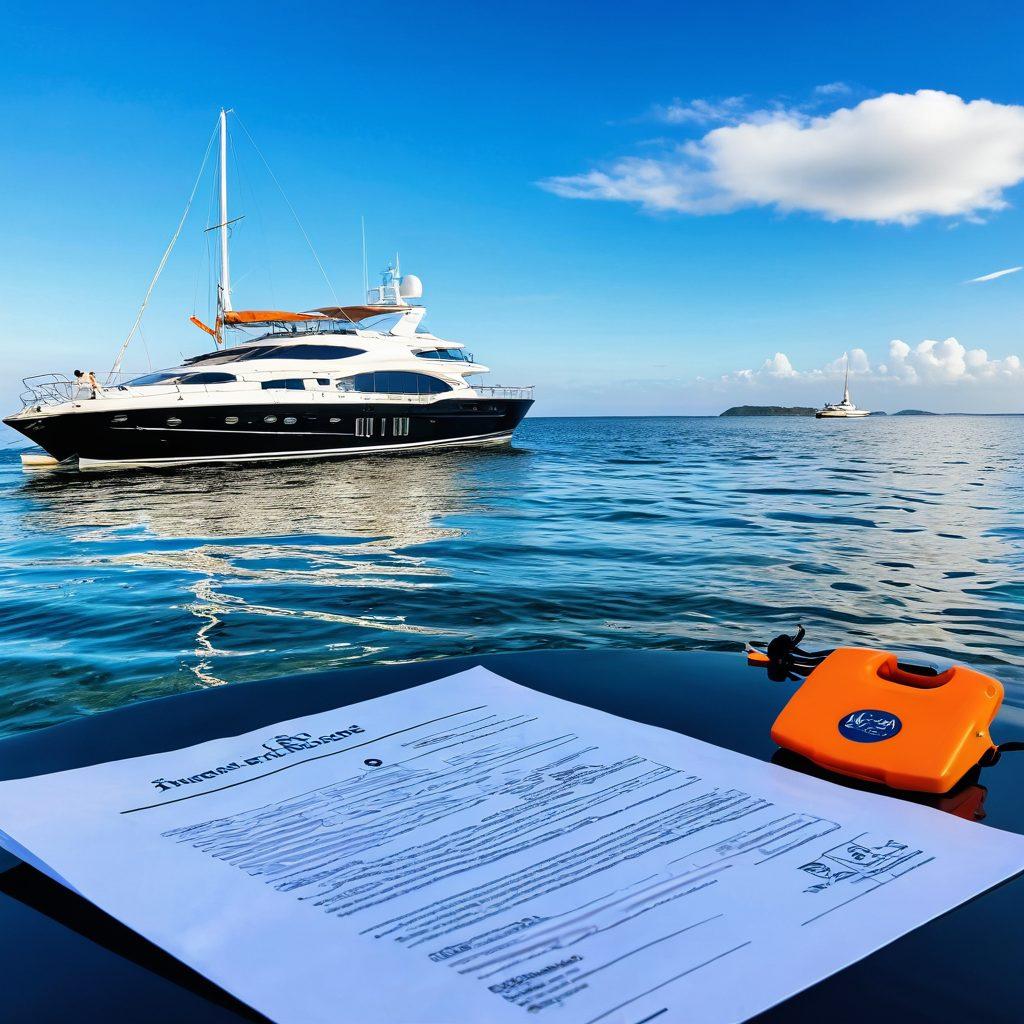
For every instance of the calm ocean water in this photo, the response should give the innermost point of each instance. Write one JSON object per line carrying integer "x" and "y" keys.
{"x": 671, "y": 533}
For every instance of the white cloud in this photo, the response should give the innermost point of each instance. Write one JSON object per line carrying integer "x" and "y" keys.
{"x": 948, "y": 362}
{"x": 832, "y": 89}
{"x": 892, "y": 159}
{"x": 993, "y": 276}
{"x": 729, "y": 110}
{"x": 858, "y": 359}
{"x": 929, "y": 363}
{"x": 777, "y": 365}
{"x": 780, "y": 366}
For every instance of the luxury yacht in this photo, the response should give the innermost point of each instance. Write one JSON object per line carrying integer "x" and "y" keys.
{"x": 336, "y": 380}
{"x": 844, "y": 409}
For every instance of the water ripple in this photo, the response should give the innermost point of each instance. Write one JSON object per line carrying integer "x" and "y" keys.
{"x": 657, "y": 533}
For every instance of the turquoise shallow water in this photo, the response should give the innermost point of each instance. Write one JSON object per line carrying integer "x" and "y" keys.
{"x": 674, "y": 533}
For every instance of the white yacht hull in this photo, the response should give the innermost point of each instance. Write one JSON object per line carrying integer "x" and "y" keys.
{"x": 829, "y": 415}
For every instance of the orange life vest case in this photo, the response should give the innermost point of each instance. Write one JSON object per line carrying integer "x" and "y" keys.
{"x": 861, "y": 714}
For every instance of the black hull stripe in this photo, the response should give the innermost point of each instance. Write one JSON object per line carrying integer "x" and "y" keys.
{"x": 500, "y": 437}
{"x": 260, "y": 433}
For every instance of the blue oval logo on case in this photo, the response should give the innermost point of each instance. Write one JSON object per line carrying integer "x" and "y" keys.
{"x": 869, "y": 726}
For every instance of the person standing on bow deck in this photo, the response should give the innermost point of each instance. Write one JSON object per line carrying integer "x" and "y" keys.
{"x": 87, "y": 379}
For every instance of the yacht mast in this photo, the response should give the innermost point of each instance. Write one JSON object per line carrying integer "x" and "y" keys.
{"x": 846, "y": 382}
{"x": 225, "y": 267}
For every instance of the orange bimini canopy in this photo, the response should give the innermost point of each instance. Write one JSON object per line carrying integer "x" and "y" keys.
{"x": 266, "y": 316}
{"x": 355, "y": 313}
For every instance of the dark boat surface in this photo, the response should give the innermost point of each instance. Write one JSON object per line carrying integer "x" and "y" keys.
{"x": 239, "y": 433}
{"x": 63, "y": 959}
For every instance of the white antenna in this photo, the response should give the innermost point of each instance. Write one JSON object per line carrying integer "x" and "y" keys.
{"x": 366, "y": 276}
{"x": 225, "y": 268}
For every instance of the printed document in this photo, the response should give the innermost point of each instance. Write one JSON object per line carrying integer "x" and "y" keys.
{"x": 473, "y": 850}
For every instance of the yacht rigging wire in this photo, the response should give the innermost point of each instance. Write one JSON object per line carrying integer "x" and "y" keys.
{"x": 145, "y": 348}
{"x": 366, "y": 277}
{"x": 291, "y": 208}
{"x": 206, "y": 259}
{"x": 115, "y": 369}
{"x": 249, "y": 198}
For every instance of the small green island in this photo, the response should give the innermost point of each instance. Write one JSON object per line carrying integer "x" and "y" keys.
{"x": 769, "y": 410}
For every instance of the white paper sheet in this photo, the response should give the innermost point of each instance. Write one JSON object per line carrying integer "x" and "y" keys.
{"x": 471, "y": 850}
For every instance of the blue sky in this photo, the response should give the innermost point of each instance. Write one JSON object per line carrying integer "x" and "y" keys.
{"x": 440, "y": 123}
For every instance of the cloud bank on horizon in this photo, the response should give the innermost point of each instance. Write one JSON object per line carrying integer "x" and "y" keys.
{"x": 890, "y": 159}
{"x": 930, "y": 362}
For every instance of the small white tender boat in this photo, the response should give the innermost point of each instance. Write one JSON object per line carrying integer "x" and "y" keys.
{"x": 40, "y": 461}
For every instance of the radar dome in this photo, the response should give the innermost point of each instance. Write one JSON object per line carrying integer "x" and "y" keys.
{"x": 412, "y": 287}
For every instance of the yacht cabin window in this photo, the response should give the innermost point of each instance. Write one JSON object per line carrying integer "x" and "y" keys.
{"x": 394, "y": 382}
{"x": 250, "y": 352}
{"x": 320, "y": 352}
{"x": 458, "y": 354}
{"x": 164, "y": 377}
{"x": 230, "y": 356}
{"x": 207, "y": 378}
{"x": 149, "y": 378}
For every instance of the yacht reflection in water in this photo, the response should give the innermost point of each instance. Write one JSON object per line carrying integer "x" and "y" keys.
{"x": 251, "y": 546}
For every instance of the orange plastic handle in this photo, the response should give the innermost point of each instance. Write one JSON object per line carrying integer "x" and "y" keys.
{"x": 891, "y": 671}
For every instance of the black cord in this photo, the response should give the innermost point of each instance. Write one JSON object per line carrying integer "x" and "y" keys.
{"x": 787, "y": 660}
{"x": 991, "y": 757}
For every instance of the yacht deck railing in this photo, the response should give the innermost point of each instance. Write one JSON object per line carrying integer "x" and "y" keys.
{"x": 57, "y": 388}
{"x": 504, "y": 391}
{"x": 48, "y": 389}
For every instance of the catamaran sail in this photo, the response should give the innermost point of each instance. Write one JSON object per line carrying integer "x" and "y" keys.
{"x": 844, "y": 409}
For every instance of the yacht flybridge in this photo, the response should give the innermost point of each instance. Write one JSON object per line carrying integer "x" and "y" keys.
{"x": 337, "y": 380}
{"x": 844, "y": 409}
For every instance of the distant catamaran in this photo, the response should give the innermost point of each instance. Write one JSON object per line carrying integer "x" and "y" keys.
{"x": 844, "y": 409}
